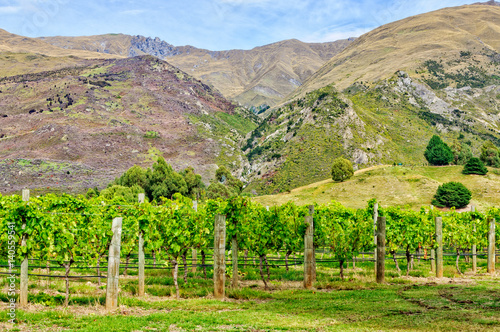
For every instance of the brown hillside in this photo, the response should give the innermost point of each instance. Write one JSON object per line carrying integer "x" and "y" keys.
{"x": 263, "y": 75}
{"x": 104, "y": 116}
{"x": 113, "y": 44}
{"x": 18, "y": 44}
{"x": 405, "y": 44}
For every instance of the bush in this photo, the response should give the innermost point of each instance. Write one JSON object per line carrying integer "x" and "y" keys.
{"x": 438, "y": 153}
{"x": 490, "y": 155}
{"x": 475, "y": 166}
{"x": 342, "y": 170}
{"x": 452, "y": 194}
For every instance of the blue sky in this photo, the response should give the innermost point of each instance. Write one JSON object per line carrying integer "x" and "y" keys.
{"x": 211, "y": 24}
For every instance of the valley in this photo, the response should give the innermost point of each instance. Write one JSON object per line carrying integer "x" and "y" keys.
{"x": 106, "y": 102}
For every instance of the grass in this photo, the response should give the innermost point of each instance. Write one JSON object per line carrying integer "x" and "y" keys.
{"x": 242, "y": 124}
{"x": 393, "y": 185}
{"x": 421, "y": 303}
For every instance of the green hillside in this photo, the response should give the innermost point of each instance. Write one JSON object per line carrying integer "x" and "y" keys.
{"x": 384, "y": 124}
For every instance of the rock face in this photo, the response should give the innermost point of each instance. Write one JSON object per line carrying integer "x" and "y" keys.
{"x": 145, "y": 45}
{"x": 489, "y": 3}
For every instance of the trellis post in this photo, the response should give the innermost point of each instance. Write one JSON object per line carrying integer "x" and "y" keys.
{"x": 491, "y": 246}
{"x": 23, "y": 294}
{"x": 114, "y": 265}
{"x": 380, "y": 250}
{"x": 141, "y": 199}
{"x": 194, "y": 252}
{"x": 439, "y": 251}
{"x": 474, "y": 247}
{"x": 309, "y": 250}
{"x": 219, "y": 256}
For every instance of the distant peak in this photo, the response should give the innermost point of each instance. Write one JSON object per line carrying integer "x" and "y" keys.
{"x": 489, "y": 3}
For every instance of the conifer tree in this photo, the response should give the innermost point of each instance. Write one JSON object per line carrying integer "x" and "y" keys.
{"x": 475, "y": 166}
{"x": 438, "y": 153}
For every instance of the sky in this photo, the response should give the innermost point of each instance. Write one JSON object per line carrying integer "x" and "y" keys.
{"x": 211, "y": 24}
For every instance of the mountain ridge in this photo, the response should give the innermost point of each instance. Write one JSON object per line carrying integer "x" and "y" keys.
{"x": 466, "y": 27}
{"x": 383, "y": 97}
{"x": 236, "y": 73}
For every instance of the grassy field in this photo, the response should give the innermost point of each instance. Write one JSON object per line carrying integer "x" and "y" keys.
{"x": 418, "y": 302}
{"x": 394, "y": 185}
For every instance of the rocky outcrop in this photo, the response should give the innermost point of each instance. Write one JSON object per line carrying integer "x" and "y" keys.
{"x": 154, "y": 46}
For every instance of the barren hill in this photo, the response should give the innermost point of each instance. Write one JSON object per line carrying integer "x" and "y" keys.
{"x": 80, "y": 126}
{"x": 19, "y": 44}
{"x": 263, "y": 75}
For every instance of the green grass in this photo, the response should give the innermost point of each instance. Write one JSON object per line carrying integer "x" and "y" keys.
{"x": 458, "y": 303}
{"x": 242, "y": 124}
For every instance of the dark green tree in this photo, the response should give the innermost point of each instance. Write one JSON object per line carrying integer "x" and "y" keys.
{"x": 475, "y": 166}
{"x": 218, "y": 190}
{"x": 224, "y": 178}
{"x": 163, "y": 181}
{"x": 342, "y": 169}
{"x": 461, "y": 153}
{"x": 489, "y": 154}
{"x": 135, "y": 175}
{"x": 438, "y": 153}
{"x": 195, "y": 187}
{"x": 452, "y": 194}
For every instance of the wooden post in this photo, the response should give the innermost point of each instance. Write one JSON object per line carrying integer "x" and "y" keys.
{"x": 491, "y": 246}
{"x": 194, "y": 252}
{"x": 439, "y": 251}
{"x": 141, "y": 255}
{"x": 375, "y": 217}
{"x": 433, "y": 254}
{"x": 380, "y": 249}
{"x": 219, "y": 256}
{"x": 309, "y": 250}
{"x": 474, "y": 247}
{"x": 114, "y": 265}
{"x": 234, "y": 254}
{"x": 23, "y": 295}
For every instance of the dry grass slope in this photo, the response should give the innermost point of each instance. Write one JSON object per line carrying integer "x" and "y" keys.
{"x": 402, "y": 186}
{"x": 405, "y": 44}
{"x": 18, "y": 44}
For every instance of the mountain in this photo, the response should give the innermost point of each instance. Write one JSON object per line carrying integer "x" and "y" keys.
{"x": 263, "y": 75}
{"x": 382, "y": 98}
{"x": 22, "y": 55}
{"x": 407, "y": 44}
{"x": 19, "y": 44}
{"x": 80, "y": 126}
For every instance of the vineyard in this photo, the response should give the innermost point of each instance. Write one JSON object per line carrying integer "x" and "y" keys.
{"x": 74, "y": 235}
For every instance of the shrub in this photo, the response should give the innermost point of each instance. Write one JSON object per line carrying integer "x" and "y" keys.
{"x": 490, "y": 155}
{"x": 438, "y": 152}
{"x": 475, "y": 166}
{"x": 342, "y": 170}
{"x": 452, "y": 194}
